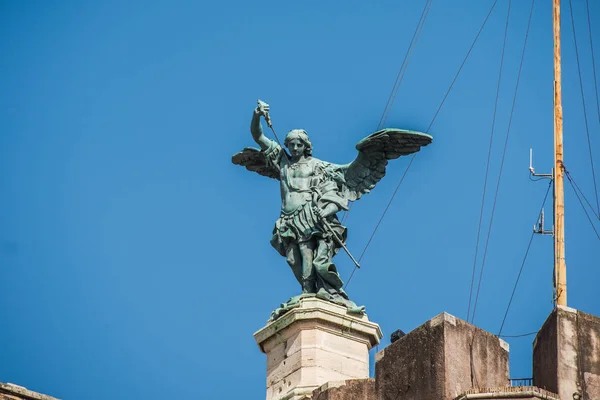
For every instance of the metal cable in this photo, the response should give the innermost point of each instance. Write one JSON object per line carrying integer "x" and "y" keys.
{"x": 517, "y": 336}
{"x": 381, "y": 218}
{"x": 523, "y": 263}
{"x": 567, "y": 172}
{"x": 462, "y": 65}
{"x": 398, "y": 81}
{"x": 503, "y": 158}
{"x": 582, "y": 206}
{"x": 585, "y": 119}
{"x": 402, "y": 69}
{"x": 427, "y": 131}
{"x": 487, "y": 165}
{"x": 587, "y": 6}
{"x": 428, "y": 7}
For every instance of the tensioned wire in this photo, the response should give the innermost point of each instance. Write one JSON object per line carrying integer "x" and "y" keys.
{"x": 429, "y": 127}
{"x": 572, "y": 180}
{"x": 510, "y": 119}
{"x": 582, "y": 205}
{"x": 399, "y": 78}
{"x": 523, "y": 265}
{"x": 487, "y": 164}
{"x": 585, "y": 118}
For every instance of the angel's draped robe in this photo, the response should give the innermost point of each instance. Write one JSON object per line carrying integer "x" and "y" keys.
{"x": 301, "y": 224}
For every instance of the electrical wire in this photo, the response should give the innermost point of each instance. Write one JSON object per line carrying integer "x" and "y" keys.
{"x": 523, "y": 263}
{"x": 503, "y": 158}
{"x": 487, "y": 164}
{"x": 404, "y": 65}
{"x": 462, "y": 65}
{"x": 518, "y": 336}
{"x": 399, "y": 79}
{"x": 583, "y": 206}
{"x": 428, "y": 6}
{"x": 536, "y": 179}
{"x": 568, "y": 173}
{"x": 587, "y": 7}
{"x": 381, "y": 218}
{"x": 427, "y": 131}
{"x": 585, "y": 119}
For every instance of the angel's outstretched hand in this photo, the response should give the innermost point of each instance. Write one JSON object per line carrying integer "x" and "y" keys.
{"x": 262, "y": 108}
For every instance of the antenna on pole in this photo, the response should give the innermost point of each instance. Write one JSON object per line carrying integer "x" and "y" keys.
{"x": 539, "y": 227}
{"x": 531, "y": 170}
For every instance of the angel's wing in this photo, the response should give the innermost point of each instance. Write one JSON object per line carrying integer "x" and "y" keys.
{"x": 255, "y": 160}
{"x": 374, "y": 151}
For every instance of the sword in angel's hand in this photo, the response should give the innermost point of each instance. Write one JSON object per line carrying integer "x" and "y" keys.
{"x": 264, "y": 108}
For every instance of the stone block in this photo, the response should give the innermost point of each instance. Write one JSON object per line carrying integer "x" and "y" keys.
{"x": 355, "y": 389}
{"x": 439, "y": 360}
{"x": 509, "y": 393}
{"x": 315, "y": 343}
{"x": 566, "y": 354}
{"x": 10, "y": 391}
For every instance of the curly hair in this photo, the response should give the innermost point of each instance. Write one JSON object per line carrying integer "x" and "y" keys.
{"x": 301, "y": 135}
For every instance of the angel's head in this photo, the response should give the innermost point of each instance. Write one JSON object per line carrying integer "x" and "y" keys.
{"x": 298, "y": 143}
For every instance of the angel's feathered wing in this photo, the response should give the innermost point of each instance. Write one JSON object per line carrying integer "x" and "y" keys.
{"x": 374, "y": 151}
{"x": 255, "y": 160}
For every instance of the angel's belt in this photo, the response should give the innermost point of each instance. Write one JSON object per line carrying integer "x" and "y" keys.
{"x": 291, "y": 214}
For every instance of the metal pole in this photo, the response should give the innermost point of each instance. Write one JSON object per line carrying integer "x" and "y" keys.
{"x": 560, "y": 268}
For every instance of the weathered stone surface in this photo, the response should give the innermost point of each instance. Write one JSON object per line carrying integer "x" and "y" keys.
{"x": 354, "y": 389}
{"x": 316, "y": 343}
{"x": 545, "y": 355}
{"x": 509, "y": 393}
{"x": 10, "y": 391}
{"x": 566, "y": 354}
{"x": 9, "y": 397}
{"x": 439, "y": 360}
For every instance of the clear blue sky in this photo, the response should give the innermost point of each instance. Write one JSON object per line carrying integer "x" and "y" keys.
{"x": 135, "y": 258}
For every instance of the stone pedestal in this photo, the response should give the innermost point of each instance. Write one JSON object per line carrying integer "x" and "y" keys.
{"x": 313, "y": 344}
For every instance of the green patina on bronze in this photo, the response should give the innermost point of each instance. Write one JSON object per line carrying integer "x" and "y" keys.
{"x": 308, "y": 232}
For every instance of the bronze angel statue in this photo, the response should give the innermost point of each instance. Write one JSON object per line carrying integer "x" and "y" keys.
{"x": 308, "y": 233}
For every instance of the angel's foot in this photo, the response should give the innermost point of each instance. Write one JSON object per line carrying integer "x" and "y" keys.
{"x": 356, "y": 309}
{"x": 323, "y": 294}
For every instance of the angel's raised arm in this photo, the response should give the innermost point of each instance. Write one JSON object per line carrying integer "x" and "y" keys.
{"x": 256, "y": 128}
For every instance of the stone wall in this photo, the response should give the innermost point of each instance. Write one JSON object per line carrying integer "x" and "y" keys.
{"x": 9, "y": 391}
{"x": 439, "y": 360}
{"x": 509, "y": 393}
{"x": 566, "y": 354}
{"x": 545, "y": 356}
{"x": 354, "y": 389}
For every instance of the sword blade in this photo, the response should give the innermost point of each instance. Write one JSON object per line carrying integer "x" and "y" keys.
{"x": 340, "y": 241}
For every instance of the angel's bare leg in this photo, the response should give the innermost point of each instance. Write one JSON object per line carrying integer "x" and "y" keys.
{"x": 308, "y": 277}
{"x": 294, "y": 260}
